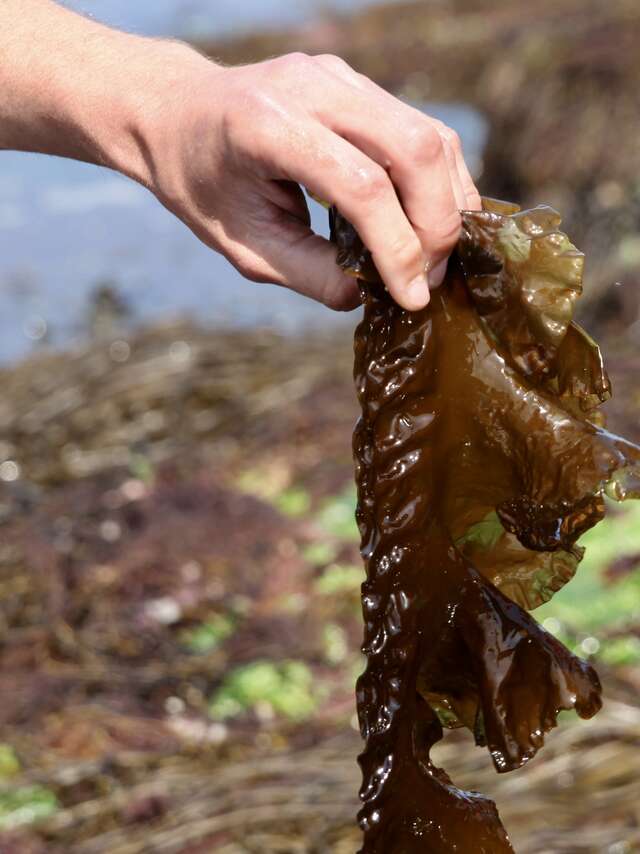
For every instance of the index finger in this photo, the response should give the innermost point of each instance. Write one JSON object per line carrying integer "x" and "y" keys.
{"x": 361, "y": 189}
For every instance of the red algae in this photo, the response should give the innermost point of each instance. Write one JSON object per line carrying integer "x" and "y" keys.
{"x": 480, "y": 460}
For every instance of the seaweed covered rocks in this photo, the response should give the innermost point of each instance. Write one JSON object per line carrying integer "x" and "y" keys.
{"x": 480, "y": 460}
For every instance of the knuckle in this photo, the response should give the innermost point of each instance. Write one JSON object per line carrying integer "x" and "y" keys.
{"x": 296, "y": 60}
{"x": 338, "y": 297}
{"x": 368, "y": 183}
{"x": 407, "y": 254}
{"x": 445, "y": 232}
{"x": 330, "y": 60}
{"x": 451, "y": 137}
{"x": 248, "y": 266}
{"x": 364, "y": 80}
{"x": 424, "y": 143}
{"x": 250, "y": 271}
{"x": 291, "y": 66}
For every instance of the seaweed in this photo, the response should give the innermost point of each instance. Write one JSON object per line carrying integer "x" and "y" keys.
{"x": 481, "y": 458}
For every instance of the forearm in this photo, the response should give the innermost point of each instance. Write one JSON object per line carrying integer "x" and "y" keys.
{"x": 74, "y": 88}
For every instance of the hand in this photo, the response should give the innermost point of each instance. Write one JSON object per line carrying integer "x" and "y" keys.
{"x": 230, "y": 147}
{"x": 226, "y": 149}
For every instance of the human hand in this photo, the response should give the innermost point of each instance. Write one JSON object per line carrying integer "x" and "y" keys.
{"x": 228, "y": 148}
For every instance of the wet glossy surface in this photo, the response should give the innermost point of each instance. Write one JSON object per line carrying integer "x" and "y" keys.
{"x": 480, "y": 460}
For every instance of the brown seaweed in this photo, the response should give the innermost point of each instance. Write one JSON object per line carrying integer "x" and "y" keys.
{"x": 480, "y": 461}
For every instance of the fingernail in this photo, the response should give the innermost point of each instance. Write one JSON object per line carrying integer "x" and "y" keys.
{"x": 437, "y": 274}
{"x": 418, "y": 292}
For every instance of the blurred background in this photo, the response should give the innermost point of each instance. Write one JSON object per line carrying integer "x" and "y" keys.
{"x": 179, "y": 571}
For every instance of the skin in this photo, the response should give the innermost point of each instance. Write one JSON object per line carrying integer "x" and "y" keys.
{"x": 226, "y": 149}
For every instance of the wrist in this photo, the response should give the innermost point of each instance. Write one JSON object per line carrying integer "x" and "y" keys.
{"x": 124, "y": 113}
{"x": 155, "y": 110}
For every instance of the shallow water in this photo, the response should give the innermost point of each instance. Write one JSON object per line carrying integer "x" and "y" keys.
{"x": 66, "y": 227}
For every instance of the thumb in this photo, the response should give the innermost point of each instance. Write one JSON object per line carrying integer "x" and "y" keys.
{"x": 297, "y": 258}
